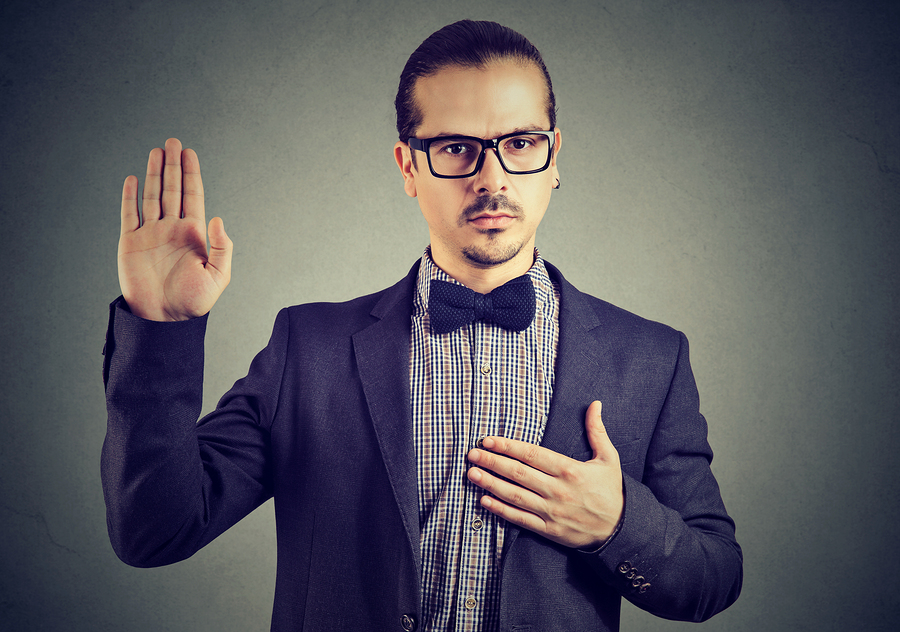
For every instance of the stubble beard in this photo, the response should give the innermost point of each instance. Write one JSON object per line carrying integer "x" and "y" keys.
{"x": 487, "y": 257}
{"x": 495, "y": 252}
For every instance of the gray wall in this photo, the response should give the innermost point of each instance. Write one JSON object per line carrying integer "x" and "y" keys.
{"x": 729, "y": 168}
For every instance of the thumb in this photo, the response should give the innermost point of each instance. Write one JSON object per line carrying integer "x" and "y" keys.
{"x": 596, "y": 432}
{"x": 220, "y": 249}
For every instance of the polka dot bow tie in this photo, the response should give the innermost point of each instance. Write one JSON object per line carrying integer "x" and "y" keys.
{"x": 451, "y": 306}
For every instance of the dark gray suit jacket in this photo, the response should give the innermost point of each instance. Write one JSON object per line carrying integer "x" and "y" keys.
{"x": 322, "y": 423}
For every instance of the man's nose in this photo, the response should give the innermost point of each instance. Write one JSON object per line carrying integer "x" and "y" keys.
{"x": 492, "y": 178}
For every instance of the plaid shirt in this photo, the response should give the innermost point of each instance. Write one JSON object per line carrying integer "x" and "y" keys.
{"x": 479, "y": 380}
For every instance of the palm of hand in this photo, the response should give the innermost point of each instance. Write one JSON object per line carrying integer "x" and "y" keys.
{"x": 165, "y": 272}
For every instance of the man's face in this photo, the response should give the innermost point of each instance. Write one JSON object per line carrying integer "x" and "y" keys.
{"x": 488, "y": 219}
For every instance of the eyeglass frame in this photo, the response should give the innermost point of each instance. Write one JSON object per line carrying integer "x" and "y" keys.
{"x": 423, "y": 144}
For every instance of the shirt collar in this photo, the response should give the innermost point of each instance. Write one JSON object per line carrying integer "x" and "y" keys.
{"x": 544, "y": 293}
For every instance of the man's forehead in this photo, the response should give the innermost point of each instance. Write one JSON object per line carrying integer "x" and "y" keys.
{"x": 500, "y": 98}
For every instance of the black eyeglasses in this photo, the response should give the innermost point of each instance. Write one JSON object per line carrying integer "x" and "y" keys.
{"x": 520, "y": 153}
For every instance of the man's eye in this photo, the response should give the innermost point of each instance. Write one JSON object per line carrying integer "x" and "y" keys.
{"x": 518, "y": 144}
{"x": 456, "y": 149}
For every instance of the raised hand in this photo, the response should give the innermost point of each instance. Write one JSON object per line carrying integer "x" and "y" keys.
{"x": 165, "y": 271}
{"x": 577, "y": 504}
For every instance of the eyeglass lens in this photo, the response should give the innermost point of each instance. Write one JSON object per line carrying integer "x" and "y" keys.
{"x": 459, "y": 156}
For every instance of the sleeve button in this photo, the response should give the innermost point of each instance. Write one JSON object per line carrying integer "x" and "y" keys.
{"x": 408, "y": 623}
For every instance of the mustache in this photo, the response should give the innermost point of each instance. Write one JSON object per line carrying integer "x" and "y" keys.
{"x": 491, "y": 203}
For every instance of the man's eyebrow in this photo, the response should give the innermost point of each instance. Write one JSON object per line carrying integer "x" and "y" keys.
{"x": 517, "y": 130}
{"x": 527, "y": 128}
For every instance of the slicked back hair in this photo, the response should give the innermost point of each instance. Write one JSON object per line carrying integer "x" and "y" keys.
{"x": 466, "y": 44}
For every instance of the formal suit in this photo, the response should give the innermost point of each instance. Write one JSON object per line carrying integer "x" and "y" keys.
{"x": 322, "y": 422}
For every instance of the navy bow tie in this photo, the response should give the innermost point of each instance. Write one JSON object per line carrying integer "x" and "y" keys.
{"x": 451, "y": 306}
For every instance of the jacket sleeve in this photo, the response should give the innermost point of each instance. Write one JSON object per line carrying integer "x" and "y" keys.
{"x": 172, "y": 485}
{"x": 675, "y": 553}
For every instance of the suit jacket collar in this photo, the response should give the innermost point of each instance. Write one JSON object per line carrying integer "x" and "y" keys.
{"x": 382, "y": 355}
{"x": 578, "y": 350}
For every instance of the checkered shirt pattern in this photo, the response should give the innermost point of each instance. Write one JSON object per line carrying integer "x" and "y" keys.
{"x": 477, "y": 381}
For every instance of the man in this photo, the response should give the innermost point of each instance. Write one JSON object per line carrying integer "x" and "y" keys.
{"x": 437, "y": 455}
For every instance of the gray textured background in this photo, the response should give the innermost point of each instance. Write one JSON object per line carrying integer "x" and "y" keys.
{"x": 729, "y": 168}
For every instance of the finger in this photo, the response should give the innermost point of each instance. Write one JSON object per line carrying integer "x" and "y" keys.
{"x": 511, "y": 494}
{"x": 193, "y": 204}
{"x": 511, "y": 470}
{"x": 220, "y": 251}
{"x": 131, "y": 218}
{"x": 152, "y": 187}
{"x": 597, "y": 436}
{"x": 171, "y": 179}
{"x": 534, "y": 455}
{"x": 514, "y": 515}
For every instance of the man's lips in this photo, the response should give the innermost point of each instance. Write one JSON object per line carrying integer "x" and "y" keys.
{"x": 492, "y": 220}
{"x": 491, "y": 212}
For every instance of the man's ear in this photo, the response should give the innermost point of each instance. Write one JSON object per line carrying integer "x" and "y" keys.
{"x": 557, "y": 145}
{"x": 402, "y": 154}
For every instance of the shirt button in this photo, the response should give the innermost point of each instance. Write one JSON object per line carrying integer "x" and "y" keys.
{"x": 485, "y": 369}
{"x": 408, "y": 622}
{"x": 477, "y": 524}
{"x": 471, "y": 603}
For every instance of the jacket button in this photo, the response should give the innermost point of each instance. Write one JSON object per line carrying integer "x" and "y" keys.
{"x": 408, "y": 622}
{"x": 624, "y": 567}
{"x": 637, "y": 581}
{"x": 644, "y": 588}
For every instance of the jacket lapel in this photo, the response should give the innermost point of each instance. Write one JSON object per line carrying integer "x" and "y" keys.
{"x": 577, "y": 358}
{"x": 382, "y": 355}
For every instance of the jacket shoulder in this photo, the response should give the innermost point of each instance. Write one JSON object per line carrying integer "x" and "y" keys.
{"x": 610, "y": 321}
{"x": 348, "y": 317}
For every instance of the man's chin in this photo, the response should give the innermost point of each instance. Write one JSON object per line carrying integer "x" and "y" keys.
{"x": 491, "y": 256}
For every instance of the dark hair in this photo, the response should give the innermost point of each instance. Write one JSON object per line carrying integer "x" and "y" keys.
{"x": 467, "y": 44}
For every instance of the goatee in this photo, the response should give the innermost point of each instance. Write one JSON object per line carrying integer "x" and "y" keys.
{"x": 500, "y": 253}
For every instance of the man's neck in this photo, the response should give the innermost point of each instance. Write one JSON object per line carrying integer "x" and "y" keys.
{"x": 484, "y": 279}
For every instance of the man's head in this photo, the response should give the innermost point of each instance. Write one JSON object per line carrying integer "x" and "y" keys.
{"x": 465, "y": 44}
{"x": 483, "y": 81}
